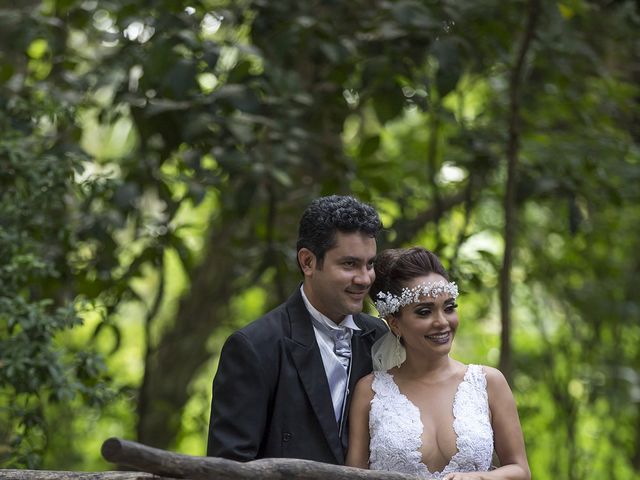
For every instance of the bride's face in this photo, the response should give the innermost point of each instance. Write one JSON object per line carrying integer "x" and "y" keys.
{"x": 429, "y": 324}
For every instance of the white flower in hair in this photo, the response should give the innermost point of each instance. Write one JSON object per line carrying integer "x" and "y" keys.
{"x": 389, "y": 303}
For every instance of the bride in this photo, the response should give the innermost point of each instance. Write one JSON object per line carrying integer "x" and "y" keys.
{"x": 421, "y": 412}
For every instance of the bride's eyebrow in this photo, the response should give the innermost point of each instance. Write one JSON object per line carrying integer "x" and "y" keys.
{"x": 448, "y": 301}
{"x": 426, "y": 304}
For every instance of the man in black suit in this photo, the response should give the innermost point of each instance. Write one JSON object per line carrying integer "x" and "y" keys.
{"x": 283, "y": 383}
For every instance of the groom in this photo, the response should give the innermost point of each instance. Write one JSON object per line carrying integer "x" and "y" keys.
{"x": 284, "y": 382}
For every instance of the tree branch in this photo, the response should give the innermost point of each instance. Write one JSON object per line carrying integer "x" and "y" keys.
{"x": 406, "y": 229}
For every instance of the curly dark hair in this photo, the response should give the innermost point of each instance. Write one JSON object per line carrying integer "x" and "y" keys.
{"x": 395, "y": 267}
{"x": 327, "y": 215}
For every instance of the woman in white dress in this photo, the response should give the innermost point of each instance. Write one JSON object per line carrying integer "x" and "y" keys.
{"x": 421, "y": 412}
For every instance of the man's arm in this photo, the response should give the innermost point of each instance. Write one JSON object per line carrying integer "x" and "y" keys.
{"x": 240, "y": 402}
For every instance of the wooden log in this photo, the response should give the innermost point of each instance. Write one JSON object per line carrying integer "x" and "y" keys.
{"x": 169, "y": 464}
{"x": 62, "y": 475}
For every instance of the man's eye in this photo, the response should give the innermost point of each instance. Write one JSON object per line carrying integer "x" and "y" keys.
{"x": 349, "y": 264}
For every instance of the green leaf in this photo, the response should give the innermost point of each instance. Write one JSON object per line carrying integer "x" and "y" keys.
{"x": 450, "y": 68}
{"x": 388, "y": 103}
{"x": 369, "y": 146}
{"x": 38, "y": 48}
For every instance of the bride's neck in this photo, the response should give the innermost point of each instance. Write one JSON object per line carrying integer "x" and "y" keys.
{"x": 433, "y": 369}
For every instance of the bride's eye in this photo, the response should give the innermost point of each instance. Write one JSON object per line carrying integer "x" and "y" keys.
{"x": 451, "y": 308}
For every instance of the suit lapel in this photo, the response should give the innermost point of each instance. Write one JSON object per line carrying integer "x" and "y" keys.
{"x": 308, "y": 362}
{"x": 361, "y": 365}
{"x": 360, "y": 354}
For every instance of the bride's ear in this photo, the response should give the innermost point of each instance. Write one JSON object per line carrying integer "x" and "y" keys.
{"x": 392, "y": 320}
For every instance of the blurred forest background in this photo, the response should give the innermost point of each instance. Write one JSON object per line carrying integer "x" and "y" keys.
{"x": 155, "y": 157}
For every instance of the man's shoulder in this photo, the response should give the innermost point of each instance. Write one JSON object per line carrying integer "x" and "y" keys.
{"x": 269, "y": 325}
{"x": 369, "y": 322}
{"x": 370, "y": 319}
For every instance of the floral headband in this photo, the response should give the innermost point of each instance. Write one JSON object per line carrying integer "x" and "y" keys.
{"x": 388, "y": 303}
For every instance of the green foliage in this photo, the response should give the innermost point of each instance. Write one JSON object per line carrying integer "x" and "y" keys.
{"x": 37, "y": 370}
{"x": 156, "y": 157}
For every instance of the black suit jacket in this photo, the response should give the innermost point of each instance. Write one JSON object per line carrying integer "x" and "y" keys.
{"x": 270, "y": 394}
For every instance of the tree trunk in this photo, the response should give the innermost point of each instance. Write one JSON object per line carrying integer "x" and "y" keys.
{"x": 510, "y": 210}
{"x": 182, "y": 349}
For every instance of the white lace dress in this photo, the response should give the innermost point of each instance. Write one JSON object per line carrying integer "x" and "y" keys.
{"x": 396, "y": 428}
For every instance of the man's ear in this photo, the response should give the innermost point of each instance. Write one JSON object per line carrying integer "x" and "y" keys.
{"x": 307, "y": 261}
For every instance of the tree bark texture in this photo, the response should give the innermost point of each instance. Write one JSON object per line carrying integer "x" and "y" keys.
{"x": 169, "y": 464}
{"x": 62, "y": 475}
{"x": 510, "y": 209}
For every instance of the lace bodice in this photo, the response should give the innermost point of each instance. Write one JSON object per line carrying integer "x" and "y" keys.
{"x": 396, "y": 428}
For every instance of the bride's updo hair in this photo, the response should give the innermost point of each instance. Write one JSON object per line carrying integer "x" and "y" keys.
{"x": 395, "y": 267}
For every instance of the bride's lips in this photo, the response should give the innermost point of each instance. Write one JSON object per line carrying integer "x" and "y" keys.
{"x": 440, "y": 338}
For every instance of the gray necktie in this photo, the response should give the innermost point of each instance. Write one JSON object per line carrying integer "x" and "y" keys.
{"x": 338, "y": 373}
{"x": 342, "y": 345}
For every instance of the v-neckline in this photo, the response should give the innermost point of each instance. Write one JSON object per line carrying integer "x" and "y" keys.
{"x": 415, "y": 407}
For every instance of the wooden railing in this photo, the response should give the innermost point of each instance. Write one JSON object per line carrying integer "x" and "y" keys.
{"x": 155, "y": 464}
{"x": 63, "y": 475}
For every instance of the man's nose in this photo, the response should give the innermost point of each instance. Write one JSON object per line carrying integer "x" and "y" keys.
{"x": 364, "y": 276}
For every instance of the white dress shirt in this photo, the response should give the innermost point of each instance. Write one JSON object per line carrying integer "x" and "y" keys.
{"x": 330, "y": 360}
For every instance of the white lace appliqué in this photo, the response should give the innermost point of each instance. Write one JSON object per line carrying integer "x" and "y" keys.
{"x": 396, "y": 428}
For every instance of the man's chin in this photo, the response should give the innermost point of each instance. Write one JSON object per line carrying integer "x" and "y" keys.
{"x": 355, "y": 306}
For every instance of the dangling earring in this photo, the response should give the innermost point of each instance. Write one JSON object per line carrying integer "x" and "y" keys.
{"x": 398, "y": 351}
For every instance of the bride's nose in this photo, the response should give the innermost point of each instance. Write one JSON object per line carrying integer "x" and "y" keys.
{"x": 439, "y": 319}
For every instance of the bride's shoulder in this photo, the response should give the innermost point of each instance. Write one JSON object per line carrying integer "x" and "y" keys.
{"x": 364, "y": 389}
{"x": 365, "y": 382}
{"x": 493, "y": 375}
{"x": 497, "y": 385}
